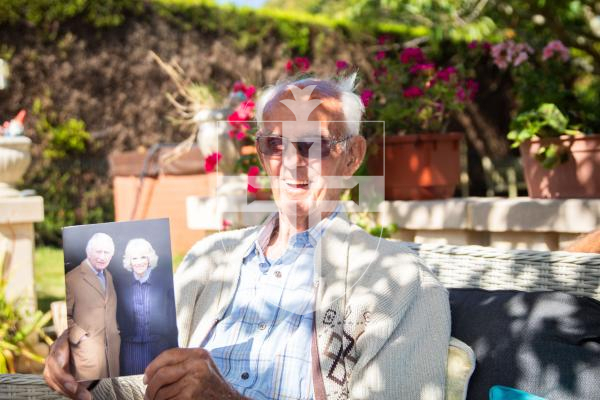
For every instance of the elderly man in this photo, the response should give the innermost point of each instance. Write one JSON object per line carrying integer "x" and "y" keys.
{"x": 307, "y": 305}
{"x": 91, "y": 313}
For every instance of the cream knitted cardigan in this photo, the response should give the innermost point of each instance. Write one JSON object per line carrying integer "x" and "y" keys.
{"x": 382, "y": 322}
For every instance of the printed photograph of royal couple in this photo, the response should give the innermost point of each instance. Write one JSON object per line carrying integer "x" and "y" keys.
{"x": 120, "y": 299}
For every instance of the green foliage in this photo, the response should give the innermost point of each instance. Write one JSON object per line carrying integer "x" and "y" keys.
{"x": 46, "y": 12}
{"x": 66, "y": 139}
{"x": 18, "y": 332}
{"x": 63, "y": 173}
{"x": 366, "y": 220}
{"x": 545, "y": 122}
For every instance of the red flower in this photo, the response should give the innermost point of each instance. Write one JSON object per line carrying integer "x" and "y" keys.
{"x": 302, "y": 63}
{"x": 244, "y": 110}
{"x": 239, "y": 87}
{"x": 382, "y": 39}
{"x": 412, "y": 54}
{"x": 289, "y": 67}
{"x": 249, "y": 92}
{"x": 413, "y": 92}
{"x": 298, "y": 63}
{"x": 341, "y": 65}
{"x": 446, "y": 73}
{"x": 382, "y": 71}
{"x": 421, "y": 67}
{"x": 366, "y": 97}
{"x": 226, "y": 224}
{"x": 211, "y": 161}
{"x": 235, "y": 117}
{"x": 253, "y": 172}
{"x": 380, "y": 55}
{"x": 473, "y": 44}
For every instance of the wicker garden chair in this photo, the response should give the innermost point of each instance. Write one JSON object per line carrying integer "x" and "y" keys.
{"x": 455, "y": 266}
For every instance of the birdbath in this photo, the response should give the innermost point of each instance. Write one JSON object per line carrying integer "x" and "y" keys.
{"x": 17, "y": 215}
{"x": 15, "y": 157}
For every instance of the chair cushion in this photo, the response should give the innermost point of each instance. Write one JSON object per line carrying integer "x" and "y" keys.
{"x": 545, "y": 343}
{"x": 461, "y": 364}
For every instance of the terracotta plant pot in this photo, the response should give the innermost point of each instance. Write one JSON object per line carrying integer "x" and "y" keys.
{"x": 418, "y": 167}
{"x": 579, "y": 177}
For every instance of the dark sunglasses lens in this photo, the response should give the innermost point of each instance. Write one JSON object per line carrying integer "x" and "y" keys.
{"x": 270, "y": 146}
{"x": 273, "y": 146}
{"x": 304, "y": 148}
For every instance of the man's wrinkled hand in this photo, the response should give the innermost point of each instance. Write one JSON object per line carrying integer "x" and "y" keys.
{"x": 186, "y": 374}
{"x": 57, "y": 373}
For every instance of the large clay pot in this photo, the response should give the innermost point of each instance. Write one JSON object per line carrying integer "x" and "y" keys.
{"x": 579, "y": 177}
{"x": 418, "y": 167}
{"x": 15, "y": 157}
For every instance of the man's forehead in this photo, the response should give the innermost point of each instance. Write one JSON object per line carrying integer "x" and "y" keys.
{"x": 102, "y": 244}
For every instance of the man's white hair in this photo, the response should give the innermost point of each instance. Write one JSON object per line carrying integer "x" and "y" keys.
{"x": 98, "y": 237}
{"x": 342, "y": 90}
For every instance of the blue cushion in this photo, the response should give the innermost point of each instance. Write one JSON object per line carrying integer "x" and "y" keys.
{"x": 506, "y": 393}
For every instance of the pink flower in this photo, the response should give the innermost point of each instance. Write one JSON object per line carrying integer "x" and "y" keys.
{"x": 473, "y": 44}
{"x": 253, "y": 172}
{"x": 211, "y": 161}
{"x": 382, "y": 39}
{"x": 558, "y": 48}
{"x": 380, "y": 55}
{"x": 413, "y": 92}
{"x": 421, "y": 67}
{"x": 366, "y": 96}
{"x": 468, "y": 91}
{"x": 341, "y": 65}
{"x": 446, "y": 73}
{"x": 249, "y": 92}
{"x": 509, "y": 52}
{"x": 241, "y": 135}
{"x": 412, "y": 54}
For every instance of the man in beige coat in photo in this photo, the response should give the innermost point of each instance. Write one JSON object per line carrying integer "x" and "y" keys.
{"x": 91, "y": 313}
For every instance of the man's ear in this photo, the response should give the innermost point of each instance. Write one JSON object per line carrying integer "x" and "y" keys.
{"x": 356, "y": 153}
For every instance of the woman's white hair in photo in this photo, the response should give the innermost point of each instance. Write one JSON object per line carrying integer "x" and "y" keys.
{"x": 136, "y": 247}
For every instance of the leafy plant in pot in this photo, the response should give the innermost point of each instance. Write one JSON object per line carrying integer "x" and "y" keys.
{"x": 559, "y": 161}
{"x": 415, "y": 99}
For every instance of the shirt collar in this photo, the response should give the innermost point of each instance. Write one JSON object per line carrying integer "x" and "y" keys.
{"x": 144, "y": 278}
{"x": 94, "y": 270}
{"x": 313, "y": 234}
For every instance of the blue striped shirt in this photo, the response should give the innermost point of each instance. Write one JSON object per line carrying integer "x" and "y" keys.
{"x": 262, "y": 344}
{"x": 135, "y": 350}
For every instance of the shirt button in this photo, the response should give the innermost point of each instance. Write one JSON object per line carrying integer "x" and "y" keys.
{"x": 262, "y": 326}
{"x": 277, "y": 274}
{"x": 245, "y": 375}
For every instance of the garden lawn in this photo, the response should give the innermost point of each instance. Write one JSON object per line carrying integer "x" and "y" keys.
{"x": 50, "y": 276}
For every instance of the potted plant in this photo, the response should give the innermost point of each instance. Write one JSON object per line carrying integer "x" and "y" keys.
{"x": 415, "y": 99}
{"x": 558, "y": 161}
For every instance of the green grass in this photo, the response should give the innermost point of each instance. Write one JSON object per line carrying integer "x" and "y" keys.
{"x": 50, "y": 276}
{"x": 48, "y": 269}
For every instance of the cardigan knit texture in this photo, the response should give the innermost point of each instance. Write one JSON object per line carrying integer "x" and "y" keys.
{"x": 382, "y": 320}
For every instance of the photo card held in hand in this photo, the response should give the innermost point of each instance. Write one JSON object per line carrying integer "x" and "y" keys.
{"x": 120, "y": 299}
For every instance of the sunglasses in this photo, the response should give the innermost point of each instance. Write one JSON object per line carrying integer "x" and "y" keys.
{"x": 273, "y": 145}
